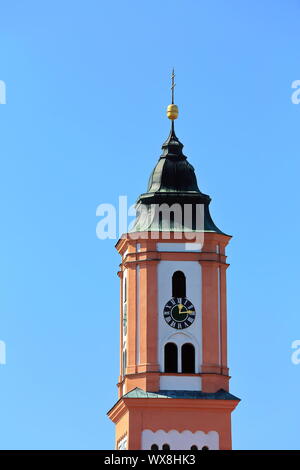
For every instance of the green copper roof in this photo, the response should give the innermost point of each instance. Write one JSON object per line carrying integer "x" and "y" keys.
{"x": 173, "y": 173}
{"x": 173, "y": 182}
{"x": 219, "y": 395}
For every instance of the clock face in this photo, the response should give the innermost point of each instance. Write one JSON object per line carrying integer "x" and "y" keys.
{"x": 179, "y": 313}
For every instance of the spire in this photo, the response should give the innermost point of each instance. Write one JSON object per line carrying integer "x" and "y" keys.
{"x": 173, "y": 180}
{"x": 172, "y": 147}
{"x": 173, "y": 174}
{"x": 173, "y": 84}
{"x": 172, "y": 109}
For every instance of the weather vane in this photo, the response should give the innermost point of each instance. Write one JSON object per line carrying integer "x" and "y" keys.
{"x": 172, "y": 109}
{"x": 173, "y": 85}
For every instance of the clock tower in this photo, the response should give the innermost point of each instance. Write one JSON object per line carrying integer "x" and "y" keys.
{"x": 173, "y": 385}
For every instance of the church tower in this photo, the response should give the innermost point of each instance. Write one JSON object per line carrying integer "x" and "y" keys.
{"x": 174, "y": 379}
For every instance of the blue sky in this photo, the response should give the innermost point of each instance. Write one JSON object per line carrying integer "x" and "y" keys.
{"x": 87, "y": 87}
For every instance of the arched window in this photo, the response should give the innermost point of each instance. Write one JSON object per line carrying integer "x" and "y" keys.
{"x": 178, "y": 284}
{"x": 194, "y": 448}
{"x": 205, "y": 448}
{"x": 154, "y": 447}
{"x": 188, "y": 358}
{"x": 171, "y": 357}
{"x": 166, "y": 447}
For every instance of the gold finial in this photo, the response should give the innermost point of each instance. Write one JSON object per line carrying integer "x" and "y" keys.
{"x": 172, "y": 109}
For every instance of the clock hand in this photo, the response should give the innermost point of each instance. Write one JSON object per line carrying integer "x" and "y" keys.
{"x": 186, "y": 311}
{"x": 180, "y": 312}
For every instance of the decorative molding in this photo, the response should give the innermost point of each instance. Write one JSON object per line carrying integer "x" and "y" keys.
{"x": 180, "y": 440}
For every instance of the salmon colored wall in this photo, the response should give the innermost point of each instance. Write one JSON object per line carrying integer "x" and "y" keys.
{"x": 214, "y": 357}
{"x": 179, "y": 414}
{"x": 131, "y": 320}
{"x": 122, "y": 428}
{"x": 223, "y": 300}
{"x": 203, "y": 415}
